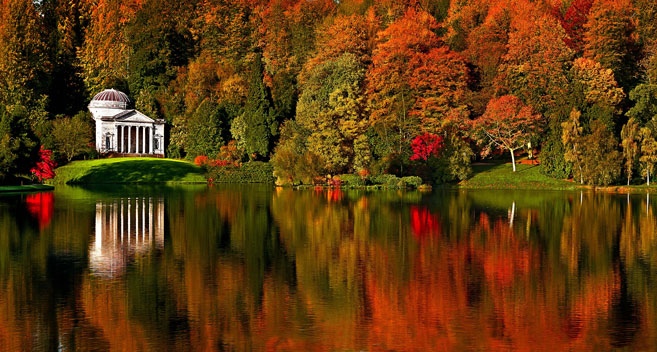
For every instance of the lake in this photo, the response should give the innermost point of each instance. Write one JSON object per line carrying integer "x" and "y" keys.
{"x": 258, "y": 268}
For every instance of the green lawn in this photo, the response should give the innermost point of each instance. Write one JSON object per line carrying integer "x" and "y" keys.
{"x": 129, "y": 170}
{"x": 26, "y": 188}
{"x": 501, "y": 176}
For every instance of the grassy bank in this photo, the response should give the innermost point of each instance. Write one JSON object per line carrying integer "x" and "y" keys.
{"x": 26, "y": 188}
{"x": 129, "y": 170}
{"x": 501, "y": 176}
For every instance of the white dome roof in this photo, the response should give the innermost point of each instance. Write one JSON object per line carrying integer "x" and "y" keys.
{"x": 110, "y": 98}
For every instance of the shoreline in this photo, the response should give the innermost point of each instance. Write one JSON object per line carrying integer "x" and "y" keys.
{"x": 26, "y": 188}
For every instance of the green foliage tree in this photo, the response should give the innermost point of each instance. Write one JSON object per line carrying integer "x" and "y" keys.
{"x": 648, "y": 157}
{"x": 644, "y": 97}
{"x": 72, "y": 136}
{"x": 19, "y": 150}
{"x": 572, "y": 142}
{"x": 293, "y": 162}
{"x": 255, "y": 128}
{"x": 64, "y": 25}
{"x": 204, "y": 130}
{"x": 331, "y": 108}
{"x": 630, "y": 139}
{"x": 158, "y": 47}
{"x": 601, "y": 160}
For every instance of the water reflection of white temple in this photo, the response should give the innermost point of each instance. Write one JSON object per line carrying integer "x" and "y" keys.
{"x": 125, "y": 228}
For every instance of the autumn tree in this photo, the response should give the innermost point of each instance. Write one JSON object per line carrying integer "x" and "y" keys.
{"x": 45, "y": 167}
{"x": 610, "y": 39}
{"x": 648, "y": 157}
{"x": 287, "y": 30}
{"x": 479, "y": 31}
{"x": 23, "y": 56}
{"x": 594, "y": 92}
{"x": 414, "y": 81}
{"x": 225, "y": 29}
{"x": 573, "y": 20}
{"x": 536, "y": 64}
{"x": 507, "y": 124}
{"x": 571, "y": 139}
{"x": 105, "y": 54}
{"x": 630, "y": 139}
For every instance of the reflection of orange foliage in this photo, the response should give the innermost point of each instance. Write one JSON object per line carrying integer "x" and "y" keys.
{"x": 105, "y": 305}
{"x": 41, "y": 206}
{"x": 334, "y": 195}
{"x": 423, "y": 223}
{"x": 508, "y": 259}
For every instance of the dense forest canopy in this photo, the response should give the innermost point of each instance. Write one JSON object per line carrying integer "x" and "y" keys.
{"x": 329, "y": 87}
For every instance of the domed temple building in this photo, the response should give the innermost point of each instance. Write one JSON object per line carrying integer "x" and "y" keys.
{"x": 123, "y": 131}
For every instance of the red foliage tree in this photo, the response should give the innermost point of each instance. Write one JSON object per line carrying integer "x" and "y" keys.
{"x": 573, "y": 21}
{"x": 425, "y": 146}
{"x": 201, "y": 160}
{"x": 45, "y": 168}
{"x": 508, "y": 124}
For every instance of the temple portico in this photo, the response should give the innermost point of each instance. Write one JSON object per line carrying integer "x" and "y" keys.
{"x": 120, "y": 130}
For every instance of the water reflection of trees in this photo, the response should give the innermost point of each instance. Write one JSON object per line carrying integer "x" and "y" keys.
{"x": 282, "y": 269}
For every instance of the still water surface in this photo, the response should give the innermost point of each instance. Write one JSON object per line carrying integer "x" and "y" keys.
{"x": 256, "y": 268}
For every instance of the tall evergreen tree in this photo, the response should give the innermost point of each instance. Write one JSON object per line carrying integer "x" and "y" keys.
{"x": 255, "y": 128}
{"x": 158, "y": 48}
{"x": 64, "y": 23}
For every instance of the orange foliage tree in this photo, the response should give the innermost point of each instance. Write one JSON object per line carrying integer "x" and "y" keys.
{"x": 508, "y": 124}
{"x": 414, "y": 80}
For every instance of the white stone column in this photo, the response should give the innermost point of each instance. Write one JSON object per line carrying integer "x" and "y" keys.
{"x": 129, "y": 139}
{"x": 138, "y": 140}
{"x": 150, "y": 138}
{"x": 143, "y": 140}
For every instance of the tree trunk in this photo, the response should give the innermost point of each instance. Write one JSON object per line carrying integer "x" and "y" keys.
{"x": 513, "y": 160}
{"x": 530, "y": 151}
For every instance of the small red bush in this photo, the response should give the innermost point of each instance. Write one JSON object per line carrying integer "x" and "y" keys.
{"x": 201, "y": 160}
{"x": 45, "y": 168}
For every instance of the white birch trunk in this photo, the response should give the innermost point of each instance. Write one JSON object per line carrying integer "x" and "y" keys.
{"x": 513, "y": 160}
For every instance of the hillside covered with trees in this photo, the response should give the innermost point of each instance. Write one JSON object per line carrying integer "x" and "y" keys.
{"x": 367, "y": 87}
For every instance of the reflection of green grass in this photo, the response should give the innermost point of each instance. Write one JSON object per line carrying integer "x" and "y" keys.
{"x": 28, "y": 188}
{"x": 129, "y": 170}
{"x": 501, "y": 176}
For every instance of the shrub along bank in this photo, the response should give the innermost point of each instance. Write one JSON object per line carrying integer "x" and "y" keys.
{"x": 251, "y": 172}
